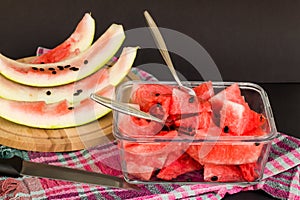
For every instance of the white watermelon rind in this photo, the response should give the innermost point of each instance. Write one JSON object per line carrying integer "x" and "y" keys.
{"x": 96, "y": 56}
{"x": 48, "y": 118}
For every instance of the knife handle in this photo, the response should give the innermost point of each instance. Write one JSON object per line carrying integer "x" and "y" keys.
{"x": 11, "y": 167}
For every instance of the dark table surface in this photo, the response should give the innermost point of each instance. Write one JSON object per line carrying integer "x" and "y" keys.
{"x": 250, "y": 40}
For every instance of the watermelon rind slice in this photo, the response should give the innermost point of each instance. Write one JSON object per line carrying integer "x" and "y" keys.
{"x": 62, "y": 114}
{"x": 69, "y": 70}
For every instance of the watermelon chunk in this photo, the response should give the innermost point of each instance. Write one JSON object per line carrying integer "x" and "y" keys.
{"x": 222, "y": 173}
{"x": 152, "y": 95}
{"x": 132, "y": 126}
{"x": 231, "y": 93}
{"x": 249, "y": 171}
{"x": 183, "y": 103}
{"x": 237, "y": 119}
{"x": 142, "y": 172}
{"x": 187, "y": 125}
{"x": 223, "y": 153}
{"x": 204, "y": 91}
{"x": 151, "y": 154}
{"x": 182, "y": 165}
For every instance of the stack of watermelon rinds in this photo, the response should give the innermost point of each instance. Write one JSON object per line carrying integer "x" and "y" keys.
{"x": 169, "y": 157}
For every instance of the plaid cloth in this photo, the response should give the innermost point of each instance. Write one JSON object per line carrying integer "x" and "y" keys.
{"x": 281, "y": 175}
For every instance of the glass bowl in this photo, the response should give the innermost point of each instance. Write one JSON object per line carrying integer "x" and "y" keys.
{"x": 218, "y": 137}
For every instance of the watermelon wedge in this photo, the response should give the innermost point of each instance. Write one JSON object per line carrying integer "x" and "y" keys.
{"x": 56, "y": 115}
{"x": 78, "y": 41}
{"x": 63, "y": 114}
{"x": 68, "y": 70}
{"x": 73, "y": 92}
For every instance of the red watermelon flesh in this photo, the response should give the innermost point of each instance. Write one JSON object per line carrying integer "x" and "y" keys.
{"x": 204, "y": 91}
{"x": 231, "y": 93}
{"x": 226, "y": 154}
{"x": 222, "y": 173}
{"x": 249, "y": 171}
{"x": 142, "y": 172}
{"x": 152, "y": 148}
{"x": 223, "y": 153}
{"x": 187, "y": 125}
{"x": 237, "y": 119}
{"x": 132, "y": 126}
{"x": 150, "y": 95}
{"x": 150, "y": 160}
{"x": 183, "y": 103}
{"x": 182, "y": 165}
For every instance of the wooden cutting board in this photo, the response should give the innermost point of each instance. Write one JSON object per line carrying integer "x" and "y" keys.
{"x": 58, "y": 140}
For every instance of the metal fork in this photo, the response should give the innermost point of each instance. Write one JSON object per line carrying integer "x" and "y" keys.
{"x": 160, "y": 43}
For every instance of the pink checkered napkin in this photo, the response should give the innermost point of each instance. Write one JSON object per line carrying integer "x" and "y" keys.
{"x": 281, "y": 177}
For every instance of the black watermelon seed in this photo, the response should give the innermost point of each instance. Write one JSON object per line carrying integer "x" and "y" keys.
{"x": 51, "y": 68}
{"x": 74, "y": 68}
{"x": 42, "y": 63}
{"x": 71, "y": 108}
{"x": 157, "y": 94}
{"x": 60, "y": 67}
{"x": 214, "y": 178}
{"x": 48, "y": 92}
{"x": 42, "y": 69}
{"x": 34, "y": 68}
{"x": 85, "y": 62}
{"x": 261, "y": 118}
{"x": 256, "y": 143}
{"x": 75, "y": 94}
{"x": 53, "y": 72}
{"x": 191, "y": 99}
{"x": 67, "y": 66}
{"x": 226, "y": 129}
{"x": 79, "y": 91}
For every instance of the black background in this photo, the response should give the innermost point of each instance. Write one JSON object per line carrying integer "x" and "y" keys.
{"x": 249, "y": 40}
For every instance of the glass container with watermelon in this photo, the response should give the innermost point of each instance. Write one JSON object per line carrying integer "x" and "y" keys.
{"x": 222, "y": 135}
